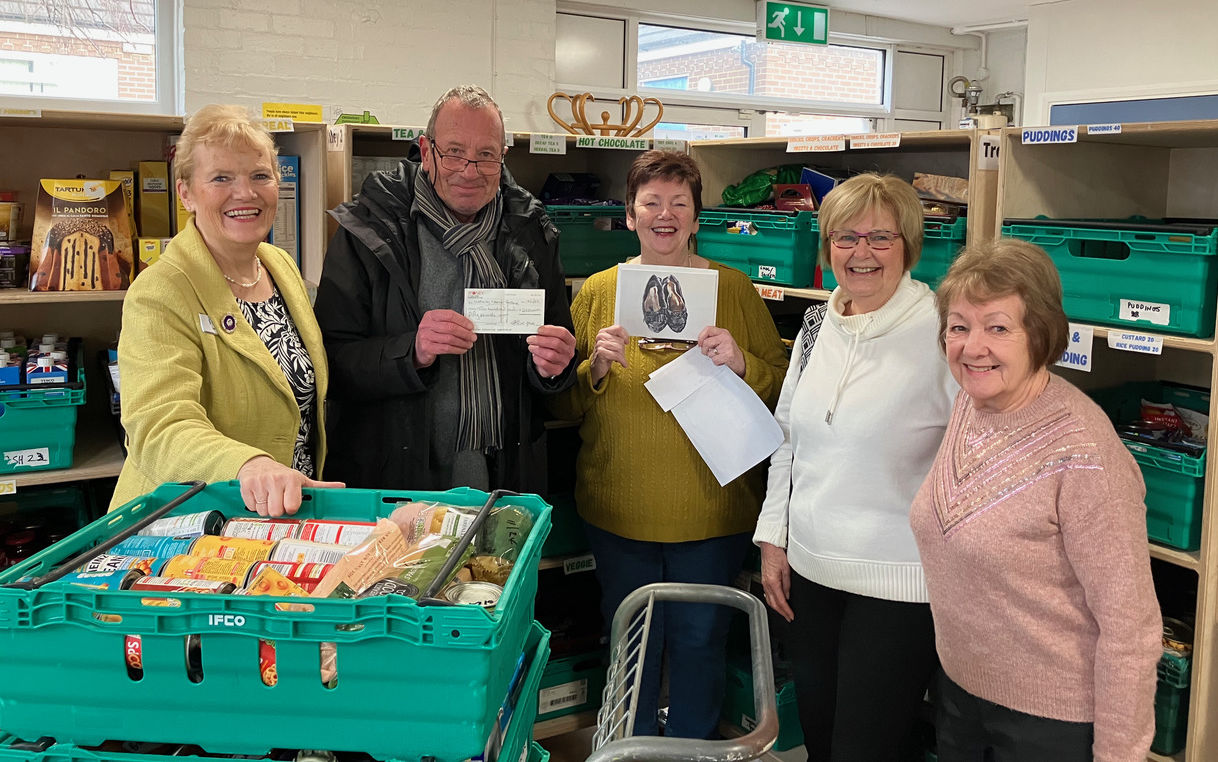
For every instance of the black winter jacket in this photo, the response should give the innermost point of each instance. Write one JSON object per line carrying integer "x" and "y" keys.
{"x": 379, "y": 416}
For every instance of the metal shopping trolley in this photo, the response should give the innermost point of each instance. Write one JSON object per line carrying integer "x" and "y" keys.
{"x": 631, "y": 626}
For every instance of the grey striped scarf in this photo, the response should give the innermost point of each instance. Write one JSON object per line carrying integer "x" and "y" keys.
{"x": 480, "y": 424}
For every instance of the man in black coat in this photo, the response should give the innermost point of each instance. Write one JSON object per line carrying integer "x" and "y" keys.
{"x": 417, "y": 399}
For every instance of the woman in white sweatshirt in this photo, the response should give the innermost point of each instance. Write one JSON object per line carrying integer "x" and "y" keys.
{"x": 864, "y": 406}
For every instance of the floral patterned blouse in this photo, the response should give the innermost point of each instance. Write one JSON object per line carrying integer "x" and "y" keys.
{"x": 272, "y": 322}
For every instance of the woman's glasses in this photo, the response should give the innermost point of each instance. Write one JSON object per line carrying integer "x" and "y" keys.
{"x": 877, "y": 240}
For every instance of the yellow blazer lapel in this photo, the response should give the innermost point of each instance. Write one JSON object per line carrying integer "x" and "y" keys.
{"x": 190, "y": 254}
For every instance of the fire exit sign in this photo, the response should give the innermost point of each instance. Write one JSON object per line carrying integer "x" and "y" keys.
{"x": 792, "y": 22}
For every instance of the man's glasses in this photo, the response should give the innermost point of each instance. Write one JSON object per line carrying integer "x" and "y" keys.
{"x": 877, "y": 240}
{"x": 454, "y": 163}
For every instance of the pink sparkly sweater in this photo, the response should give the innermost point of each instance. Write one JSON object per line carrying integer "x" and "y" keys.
{"x": 1032, "y": 530}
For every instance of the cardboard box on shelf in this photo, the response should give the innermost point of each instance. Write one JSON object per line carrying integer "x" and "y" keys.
{"x": 286, "y": 232}
{"x": 81, "y": 239}
{"x": 153, "y": 180}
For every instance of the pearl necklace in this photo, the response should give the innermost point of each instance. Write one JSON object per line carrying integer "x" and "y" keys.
{"x": 251, "y": 284}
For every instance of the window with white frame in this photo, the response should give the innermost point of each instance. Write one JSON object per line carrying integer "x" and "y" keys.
{"x": 111, "y": 55}
{"x": 722, "y": 79}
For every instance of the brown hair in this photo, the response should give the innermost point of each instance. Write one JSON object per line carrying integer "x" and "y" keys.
{"x": 664, "y": 165}
{"x": 865, "y": 193}
{"x": 1005, "y": 267}
{"x": 228, "y": 126}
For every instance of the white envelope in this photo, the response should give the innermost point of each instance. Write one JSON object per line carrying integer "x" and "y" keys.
{"x": 725, "y": 420}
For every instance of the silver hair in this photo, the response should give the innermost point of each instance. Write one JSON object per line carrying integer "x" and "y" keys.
{"x": 472, "y": 96}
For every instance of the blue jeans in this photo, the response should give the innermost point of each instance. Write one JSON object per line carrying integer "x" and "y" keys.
{"x": 693, "y": 636}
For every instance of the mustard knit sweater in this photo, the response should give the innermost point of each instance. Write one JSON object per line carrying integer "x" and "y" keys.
{"x": 638, "y": 476}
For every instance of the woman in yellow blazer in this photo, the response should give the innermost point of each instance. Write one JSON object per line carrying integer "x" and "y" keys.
{"x": 222, "y": 370}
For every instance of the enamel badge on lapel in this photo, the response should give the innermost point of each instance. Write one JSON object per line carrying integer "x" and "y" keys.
{"x": 229, "y": 323}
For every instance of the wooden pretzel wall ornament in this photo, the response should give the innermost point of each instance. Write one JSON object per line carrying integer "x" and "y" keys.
{"x": 632, "y": 109}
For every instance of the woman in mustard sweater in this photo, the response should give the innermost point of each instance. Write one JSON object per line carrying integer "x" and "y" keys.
{"x": 654, "y": 512}
{"x": 222, "y": 367}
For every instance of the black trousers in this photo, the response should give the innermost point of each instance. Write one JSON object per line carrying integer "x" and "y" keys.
{"x": 971, "y": 729}
{"x": 862, "y": 666}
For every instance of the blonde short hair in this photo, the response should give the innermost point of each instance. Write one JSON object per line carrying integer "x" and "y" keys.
{"x": 865, "y": 193}
{"x": 227, "y": 126}
{"x": 1005, "y": 267}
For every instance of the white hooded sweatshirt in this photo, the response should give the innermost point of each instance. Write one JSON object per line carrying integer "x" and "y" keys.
{"x": 863, "y": 422}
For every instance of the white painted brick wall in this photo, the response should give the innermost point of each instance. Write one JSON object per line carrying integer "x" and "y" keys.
{"x": 391, "y": 57}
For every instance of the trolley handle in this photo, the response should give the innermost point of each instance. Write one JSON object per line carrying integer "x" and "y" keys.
{"x": 429, "y": 595}
{"x": 88, "y": 555}
{"x": 749, "y": 746}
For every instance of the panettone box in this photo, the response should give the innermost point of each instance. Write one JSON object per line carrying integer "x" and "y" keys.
{"x": 82, "y": 239}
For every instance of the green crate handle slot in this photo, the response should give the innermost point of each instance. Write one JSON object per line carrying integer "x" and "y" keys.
{"x": 1165, "y": 243}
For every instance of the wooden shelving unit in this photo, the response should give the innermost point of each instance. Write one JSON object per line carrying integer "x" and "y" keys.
{"x": 67, "y": 144}
{"x": 349, "y": 141}
{"x": 1153, "y": 171}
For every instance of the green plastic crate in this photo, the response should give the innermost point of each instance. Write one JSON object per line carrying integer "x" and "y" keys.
{"x": 1102, "y": 267}
{"x": 413, "y": 680}
{"x": 519, "y": 736}
{"x": 573, "y": 684}
{"x": 1171, "y": 704}
{"x": 739, "y": 708}
{"x": 941, "y": 242}
{"x": 1175, "y": 482}
{"x": 592, "y": 238}
{"x": 567, "y": 533}
{"x": 38, "y": 427}
{"x": 769, "y": 247}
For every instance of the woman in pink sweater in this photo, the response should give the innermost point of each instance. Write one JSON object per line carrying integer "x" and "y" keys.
{"x": 1032, "y": 530}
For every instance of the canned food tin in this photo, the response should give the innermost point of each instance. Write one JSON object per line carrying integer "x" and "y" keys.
{"x": 120, "y": 579}
{"x": 307, "y": 575}
{"x": 390, "y": 586}
{"x": 349, "y": 533}
{"x": 484, "y": 594}
{"x": 197, "y": 567}
{"x": 153, "y": 546}
{"x": 261, "y": 529}
{"x": 186, "y": 525}
{"x": 233, "y": 548}
{"x": 301, "y": 551}
{"x": 112, "y": 563}
{"x": 133, "y": 655}
{"x": 266, "y": 662}
{"x": 10, "y": 220}
{"x": 182, "y": 585}
{"x": 1177, "y": 636}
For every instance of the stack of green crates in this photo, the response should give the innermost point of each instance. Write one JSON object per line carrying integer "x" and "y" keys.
{"x": 1171, "y": 704}
{"x": 942, "y": 239}
{"x": 38, "y": 426}
{"x": 739, "y": 707}
{"x": 769, "y": 247}
{"x": 1174, "y": 481}
{"x": 592, "y": 238}
{"x": 572, "y": 684}
{"x": 413, "y": 681}
{"x": 1139, "y": 274}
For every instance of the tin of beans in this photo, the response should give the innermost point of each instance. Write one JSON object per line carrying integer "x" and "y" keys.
{"x": 261, "y": 529}
{"x": 186, "y": 525}
{"x": 233, "y": 548}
